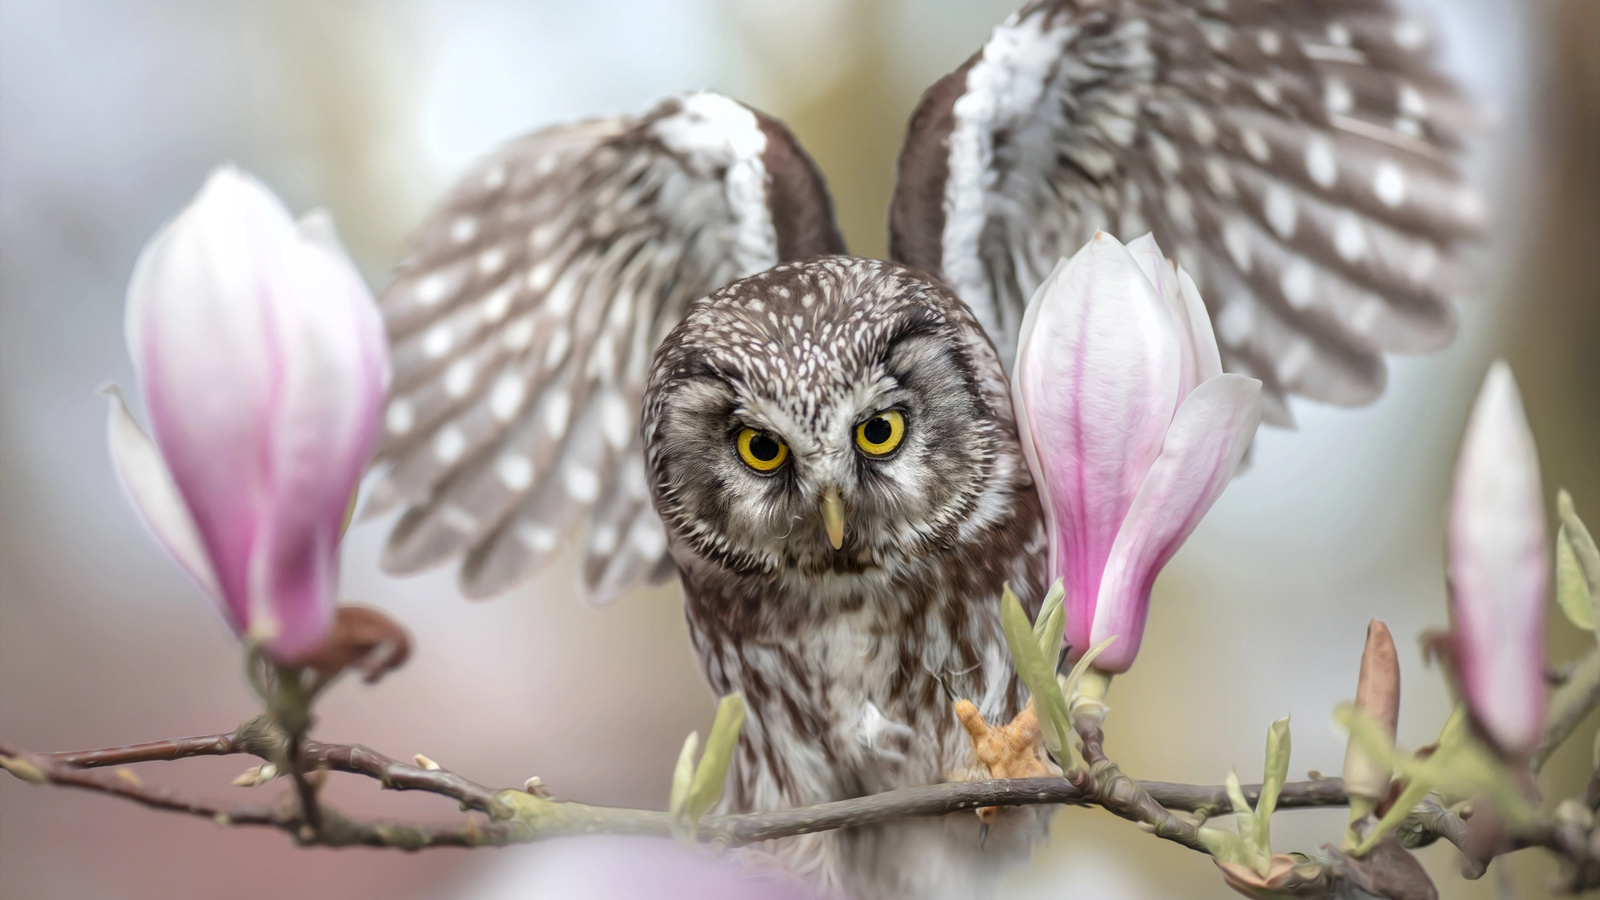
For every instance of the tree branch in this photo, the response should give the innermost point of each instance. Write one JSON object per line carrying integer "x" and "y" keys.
{"x": 86, "y": 770}
{"x": 501, "y": 817}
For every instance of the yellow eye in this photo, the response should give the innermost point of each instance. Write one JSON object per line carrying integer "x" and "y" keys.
{"x": 761, "y": 451}
{"x": 880, "y": 434}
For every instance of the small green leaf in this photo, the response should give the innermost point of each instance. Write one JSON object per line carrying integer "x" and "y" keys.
{"x": 683, "y": 776}
{"x": 1225, "y": 846}
{"x": 1052, "y": 621}
{"x": 1241, "y": 806}
{"x": 1572, "y": 586}
{"x": 1583, "y": 545}
{"x": 1272, "y": 779}
{"x": 1087, "y": 660}
{"x": 1402, "y": 806}
{"x": 1037, "y": 674}
{"x": 1249, "y": 849}
{"x": 1576, "y": 554}
{"x": 706, "y": 787}
{"x": 1594, "y": 754}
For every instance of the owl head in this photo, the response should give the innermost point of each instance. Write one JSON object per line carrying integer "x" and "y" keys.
{"x": 835, "y": 415}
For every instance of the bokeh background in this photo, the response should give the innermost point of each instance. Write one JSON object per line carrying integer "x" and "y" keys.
{"x": 111, "y": 113}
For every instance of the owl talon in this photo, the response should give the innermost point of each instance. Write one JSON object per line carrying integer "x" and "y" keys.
{"x": 1013, "y": 750}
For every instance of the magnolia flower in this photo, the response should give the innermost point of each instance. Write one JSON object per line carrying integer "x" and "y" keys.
{"x": 1130, "y": 427}
{"x": 1498, "y": 565}
{"x": 261, "y": 357}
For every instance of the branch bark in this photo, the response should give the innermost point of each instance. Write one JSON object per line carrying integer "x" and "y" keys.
{"x": 87, "y": 770}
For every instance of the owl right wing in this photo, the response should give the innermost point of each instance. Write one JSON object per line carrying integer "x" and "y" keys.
{"x": 1297, "y": 157}
{"x": 524, "y": 316}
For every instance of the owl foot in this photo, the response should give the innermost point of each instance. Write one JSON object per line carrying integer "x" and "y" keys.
{"x": 1013, "y": 750}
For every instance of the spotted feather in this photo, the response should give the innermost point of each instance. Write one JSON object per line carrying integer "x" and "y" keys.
{"x": 524, "y": 317}
{"x": 1297, "y": 157}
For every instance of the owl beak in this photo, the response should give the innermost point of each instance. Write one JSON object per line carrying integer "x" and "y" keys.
{"x": 833, "y": 516}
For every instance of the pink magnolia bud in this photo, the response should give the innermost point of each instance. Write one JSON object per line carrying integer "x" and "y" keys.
{"x": 262, "y": 361}
{"x": 1130, "y": 427}
{"x": 1499, "y": 569}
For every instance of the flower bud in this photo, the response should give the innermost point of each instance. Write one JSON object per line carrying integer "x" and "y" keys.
{"x": 262, "y": 361}
{"x": 1129, "y": 426}
{"x": 1499, "y": 561}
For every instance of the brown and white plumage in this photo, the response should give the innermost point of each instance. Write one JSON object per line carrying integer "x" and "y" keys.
{"x": 523, "y": 320}
{"x": 840, "y": 651}
{"x": 1296, "y": 156}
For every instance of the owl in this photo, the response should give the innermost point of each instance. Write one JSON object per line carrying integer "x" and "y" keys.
{"x": 647, "y": 326}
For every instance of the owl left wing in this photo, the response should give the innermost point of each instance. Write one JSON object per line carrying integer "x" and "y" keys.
{"x": 523, "y": 320}
{"x": 1297, "y": 157}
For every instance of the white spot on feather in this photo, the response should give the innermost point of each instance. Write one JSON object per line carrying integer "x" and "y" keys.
{"x": 1299, "y": 283}
{"x": 1336, "y": 96}
{"x": 432, "y": 289}
{"x": 1293, "y": 363}
{"x": 557, "y": 410}
{"x": 495, "y": 178}
{"x": 456, "y": 518}
{"x": 1220, "y": 179}
{"x": 1166, "y": 154}
{"x": 540, "y": 276}
{"x": 1350, "y": 238}
{"x": 449, "y": 444}
{"x": 1320, "y": 164}
{"x": 1236, "y": 322}
{"x": 1180, "y": 208}
{"x": 1269, "y": 41}
{"x": 464, "y": 229}
{"x": 458, "y": 378}
{"x": 436, "y": 343}
{"x": 581, "y": 482}
{"x": 519, "y": 334}
{"x": 1410, "y": 34}
{"x": 1236, "y": 237}
{"x": 491, "y": 260}
{"x": 1411, "y": 102}
{"x": 647, "y": 538}
{"x": 615, "y": 423}
{"x": 1256, "y": 145}
{"x": 505, "y": 398}
{"x": 515, "y": 471}
{"x": 1389, "y": 183}
{"x": 498, "y": 303}
{"x": 1280, "y": 210}
{"x": 537, "y": 538}
{"x": 399, "y": 418}
{"x": 1202, "y": 126}
{"x": 557, "y": 351}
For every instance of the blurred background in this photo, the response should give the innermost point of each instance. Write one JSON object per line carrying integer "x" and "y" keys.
{"x": 112, "y": 112}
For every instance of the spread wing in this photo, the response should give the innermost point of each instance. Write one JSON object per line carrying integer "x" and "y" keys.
{"x": 1296, "y": 156}
{"x": 523, "y": 320}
